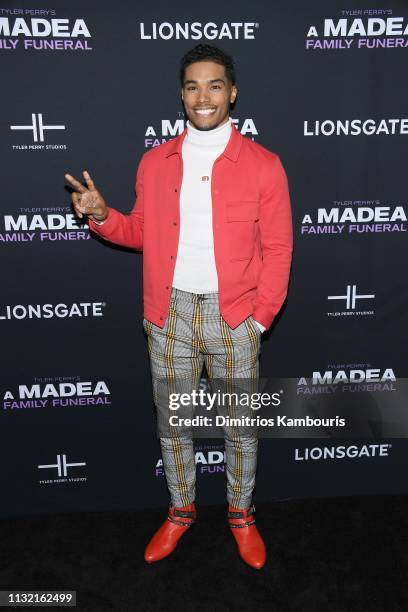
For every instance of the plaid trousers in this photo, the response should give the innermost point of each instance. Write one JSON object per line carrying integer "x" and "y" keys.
{"x": 196, "y": 334}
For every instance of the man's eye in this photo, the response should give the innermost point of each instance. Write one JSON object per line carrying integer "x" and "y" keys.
{"x": 192, "y": 87}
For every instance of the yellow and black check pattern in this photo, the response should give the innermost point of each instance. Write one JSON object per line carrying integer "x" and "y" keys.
{"x": 196, "y": 334}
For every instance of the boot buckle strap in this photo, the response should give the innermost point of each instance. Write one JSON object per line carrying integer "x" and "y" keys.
{"x": 184, "y": 513}
{"x": 250, "y": 511}
{"x": 246, "y": 524}
{"x": 182, "y": 523}
{"x": 234, "y": 515}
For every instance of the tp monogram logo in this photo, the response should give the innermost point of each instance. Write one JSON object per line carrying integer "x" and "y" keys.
{"x": 37, "y": 127}
{"x": 350, "y": 297}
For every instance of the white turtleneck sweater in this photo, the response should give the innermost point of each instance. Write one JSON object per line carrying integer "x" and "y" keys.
{"x": 195, "y": 269}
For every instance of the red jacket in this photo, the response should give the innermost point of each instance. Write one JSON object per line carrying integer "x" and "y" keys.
{"x": 252, "y": 226}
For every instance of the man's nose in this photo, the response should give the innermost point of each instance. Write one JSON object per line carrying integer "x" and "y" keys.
{"x": 203, "y": 95}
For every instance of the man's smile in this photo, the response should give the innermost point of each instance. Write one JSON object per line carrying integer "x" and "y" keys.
{"x": 205, "y": 111}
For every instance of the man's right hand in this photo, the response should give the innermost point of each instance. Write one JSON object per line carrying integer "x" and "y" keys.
{"x": 87, "y": 200}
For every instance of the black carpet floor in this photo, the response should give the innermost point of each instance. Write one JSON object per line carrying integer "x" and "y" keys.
{"x": 331, "y": 555}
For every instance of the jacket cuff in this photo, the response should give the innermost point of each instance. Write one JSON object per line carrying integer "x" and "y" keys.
{"x": 105, "y": 228}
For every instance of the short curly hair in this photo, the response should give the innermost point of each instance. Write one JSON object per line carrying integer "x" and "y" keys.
{"x": 202, "y": 53}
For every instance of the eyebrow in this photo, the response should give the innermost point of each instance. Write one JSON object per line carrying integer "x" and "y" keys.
{"x": 209, "y": 81}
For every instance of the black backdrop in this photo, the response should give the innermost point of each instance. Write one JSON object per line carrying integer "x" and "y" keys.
{"x": 94, "y": 96}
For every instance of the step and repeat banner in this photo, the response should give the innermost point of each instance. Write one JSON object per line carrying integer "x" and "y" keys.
{"x": 322, "y": 85}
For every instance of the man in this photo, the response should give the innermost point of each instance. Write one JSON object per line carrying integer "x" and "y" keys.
{"x": 213, "y": 218}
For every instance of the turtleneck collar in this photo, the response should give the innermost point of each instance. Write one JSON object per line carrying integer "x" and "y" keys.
{"x": 217, "y": 136}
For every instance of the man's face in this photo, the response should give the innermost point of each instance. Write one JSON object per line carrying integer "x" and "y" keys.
{"x": 207, "y": 94}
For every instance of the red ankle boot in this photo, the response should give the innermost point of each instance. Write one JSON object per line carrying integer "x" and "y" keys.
{"x": 250, "y": 544}
{"x": 165, "y": 540}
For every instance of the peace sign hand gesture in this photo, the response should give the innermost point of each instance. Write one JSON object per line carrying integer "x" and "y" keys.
{"x": 87, "y": 200}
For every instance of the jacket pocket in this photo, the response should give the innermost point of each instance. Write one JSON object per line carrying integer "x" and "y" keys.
{"x": 242, "y": 210}
{"x": 241, "y": 218}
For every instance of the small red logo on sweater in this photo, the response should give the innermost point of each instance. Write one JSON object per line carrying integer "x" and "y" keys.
{"x": 205, "y": 178}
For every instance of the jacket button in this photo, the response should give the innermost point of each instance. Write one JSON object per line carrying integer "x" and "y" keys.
{"x": 167, "y": 286}
{"x": 174, "y": 222}
{"x": 175, "y": 189}
{"x": 161, "y": 318}
{"x": 171, "y": 257}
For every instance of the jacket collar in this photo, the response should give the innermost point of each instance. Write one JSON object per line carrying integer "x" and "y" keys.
{"x": 231, "y": 150}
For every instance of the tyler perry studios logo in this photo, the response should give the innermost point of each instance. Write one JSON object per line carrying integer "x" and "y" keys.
{"x": 35, "y": 134}
{"x": 350, "y": 300}
{"x": 62, "y": 471}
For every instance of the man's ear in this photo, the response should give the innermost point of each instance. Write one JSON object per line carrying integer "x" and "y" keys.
{"x": 234, "y": 93}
